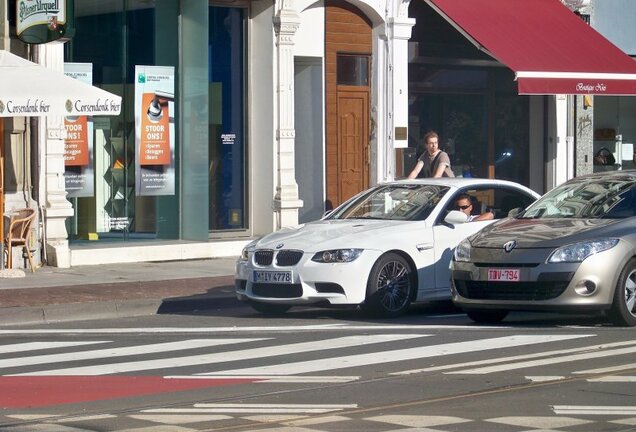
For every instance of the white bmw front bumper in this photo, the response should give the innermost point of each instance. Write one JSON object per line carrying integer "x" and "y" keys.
{"x": 311, "y": 282}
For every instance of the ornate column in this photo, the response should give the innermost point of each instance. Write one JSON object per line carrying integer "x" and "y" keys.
{"x": 286, "y": 200}
{"x": 399, "y": 33}
{"x": 57, "y": 207}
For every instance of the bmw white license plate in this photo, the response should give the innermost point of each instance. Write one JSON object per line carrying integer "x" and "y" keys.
{"x": 268, "y": 276}
{"x": 503, "y": 275}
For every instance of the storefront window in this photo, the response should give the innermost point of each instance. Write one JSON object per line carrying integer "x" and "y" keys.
{"x": 512, "y": 138}
{"x": 113, "y": 40}
{"x": 461, "y": 122}
{"x": 485, "y": 132}
{"x": 227, "y": 161}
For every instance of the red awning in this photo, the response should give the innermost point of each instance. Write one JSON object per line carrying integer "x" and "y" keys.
{"x": 551, "y": 50}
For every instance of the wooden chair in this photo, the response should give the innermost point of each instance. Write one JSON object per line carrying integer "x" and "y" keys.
{"x": 19, "y": 234}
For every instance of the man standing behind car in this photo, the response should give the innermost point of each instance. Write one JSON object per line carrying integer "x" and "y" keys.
{"x": 433, "y": 162}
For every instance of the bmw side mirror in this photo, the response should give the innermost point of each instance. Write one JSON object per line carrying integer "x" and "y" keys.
{"x": 515, "y": 212}
{"x": 455, "y": 217}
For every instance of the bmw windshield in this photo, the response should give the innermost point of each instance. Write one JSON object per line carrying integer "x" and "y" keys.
{"x": 587, "y": 198}
{"x": 392, "y": 202}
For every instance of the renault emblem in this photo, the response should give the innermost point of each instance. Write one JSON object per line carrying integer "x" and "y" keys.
{"x": 280, "y": 245}
{"x": 509, "y": 246}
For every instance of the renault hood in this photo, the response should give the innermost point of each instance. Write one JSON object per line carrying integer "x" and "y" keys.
{"x": 540, "y": 233}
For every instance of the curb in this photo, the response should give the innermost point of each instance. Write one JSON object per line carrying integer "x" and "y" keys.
{"x": 77, "y": 312}
{"x": 109, "y": 301}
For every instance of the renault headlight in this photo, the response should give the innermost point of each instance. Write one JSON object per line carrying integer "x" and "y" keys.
{"x": 337, "y": 255}
{"x": 577, "y": 252}
{"x": 462, "y": 251}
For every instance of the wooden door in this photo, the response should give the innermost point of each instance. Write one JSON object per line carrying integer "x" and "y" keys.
{"x": 348, "y": 35}
{"x": 353, "y": 142}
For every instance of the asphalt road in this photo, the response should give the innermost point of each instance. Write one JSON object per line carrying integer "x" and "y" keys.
{"x": 230, "y": 368}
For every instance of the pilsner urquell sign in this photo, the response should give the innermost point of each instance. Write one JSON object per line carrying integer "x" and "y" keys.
{"x": 42, "y": 21}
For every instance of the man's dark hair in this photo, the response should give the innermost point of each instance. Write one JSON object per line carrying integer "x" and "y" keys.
{"x": 464, "y": 196}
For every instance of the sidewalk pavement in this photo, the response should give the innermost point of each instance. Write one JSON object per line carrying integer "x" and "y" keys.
{"x": 54, "y": 294}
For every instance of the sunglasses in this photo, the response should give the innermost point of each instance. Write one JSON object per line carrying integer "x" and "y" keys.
{"x": 464, "y": 207}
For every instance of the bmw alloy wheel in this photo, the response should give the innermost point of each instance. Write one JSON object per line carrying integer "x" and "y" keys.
{"x": 390, "y": 286}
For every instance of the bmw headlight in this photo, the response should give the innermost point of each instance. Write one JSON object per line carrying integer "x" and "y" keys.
{"x": 462, "y": 251}
{"x": 337, "y": 255}
{"x": 579, "y": 251}
{"x": 247, "y": 251}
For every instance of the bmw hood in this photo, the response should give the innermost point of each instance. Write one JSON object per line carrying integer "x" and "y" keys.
{"x": 539, "y": 233}
{"x": 332, "y": 234}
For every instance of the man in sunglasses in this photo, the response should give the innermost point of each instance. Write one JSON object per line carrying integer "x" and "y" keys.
{"x": 464, "y": 203}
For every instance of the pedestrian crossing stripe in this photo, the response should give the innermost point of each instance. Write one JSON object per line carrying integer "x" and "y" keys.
{"x": 614, "y": 379}
{"x": 280, "y": 378}
{"x": 36, "y": 346}
{"x": 547, "y": 361}
{"x": 120, "y": 351}
{"x": 249, "y": 329}
{"x": 285, "y": 371}
{"x": 213, "y": 408}
{"x": 227, "y": 351}
{"x": 426, "y": 351}
{"x": 224, "y": 356}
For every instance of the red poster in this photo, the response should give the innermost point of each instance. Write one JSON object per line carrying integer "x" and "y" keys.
{"x": 155, "y": 131}
{"x": 76, "y": 143}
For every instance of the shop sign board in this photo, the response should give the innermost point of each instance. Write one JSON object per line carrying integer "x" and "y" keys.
{"x": 42, "y": 21}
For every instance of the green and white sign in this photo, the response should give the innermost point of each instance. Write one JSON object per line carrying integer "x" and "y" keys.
{"x": 42, "y": 21}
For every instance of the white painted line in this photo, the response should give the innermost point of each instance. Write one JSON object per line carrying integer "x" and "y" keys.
{"x": 176, "y": 419}
{"x": 241, "y": 410}
{"x": 86, "y": 418}
{"x": 169, "y": 330}
{"x": 628, "y": 421}
{"x": 255, "y": 408}
{"x": 118, "y": 352}
{"x": 272, "y": 405}
{"x": 614, "y": 379}
{"x": 267, "y": 329}
{"x": 34, "y": 346}
{"x": 418, "y": 421}
{"x": 518, "y": 357}
{"x": 540, "y": 423}
{"x": 577, "y": 75}
{"x": 545, "y": 378}
{"x": 33, "y": 416}
{"x": 277, "y": 418}
{"x": 594, "y": 409}
{"x": 228, "y": 356}
{"x": 355, "y": 360}
{"x": 543, "y": 362}
{"x": 610, "y": 369}
{"x": 276, "y": 378}
{"x": 316, "y": 420}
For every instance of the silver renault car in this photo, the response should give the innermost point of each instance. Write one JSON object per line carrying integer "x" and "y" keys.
{"x": 572, "y": 250}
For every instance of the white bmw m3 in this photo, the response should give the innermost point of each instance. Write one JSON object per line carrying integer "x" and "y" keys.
{"x": 383, "y": 249}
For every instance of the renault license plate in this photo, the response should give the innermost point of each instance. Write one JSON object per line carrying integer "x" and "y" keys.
{"x": 269, "y": 276}
{"x": 503, "y": 275}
